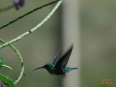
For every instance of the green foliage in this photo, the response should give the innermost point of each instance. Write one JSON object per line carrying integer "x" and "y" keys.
{"x": 1, "y": 61}
{"x": 7, "y": 80}
{"x": 2, "y": 64}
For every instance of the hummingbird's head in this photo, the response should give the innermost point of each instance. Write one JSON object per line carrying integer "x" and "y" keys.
{"x": 45, "y": 66}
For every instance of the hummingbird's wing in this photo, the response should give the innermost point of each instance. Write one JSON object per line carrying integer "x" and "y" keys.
{"x": 56, "y": 56}
{"x": 64, "y": 59}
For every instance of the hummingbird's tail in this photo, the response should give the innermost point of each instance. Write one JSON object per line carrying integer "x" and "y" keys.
{"x": 76, "y": 68}
{"x": 67, "y": 69}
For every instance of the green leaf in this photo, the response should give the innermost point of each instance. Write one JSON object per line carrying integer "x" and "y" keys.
{"x": 1, "y": 61}
{"x": 2, "y": 64}
{"x": 7, "y": 80}
{"x": 5, "y": 66}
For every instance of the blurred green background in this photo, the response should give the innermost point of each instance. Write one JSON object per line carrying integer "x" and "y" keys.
{"x": 98, "y": 43}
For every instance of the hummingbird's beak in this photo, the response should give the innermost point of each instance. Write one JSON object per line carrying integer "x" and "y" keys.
{"x": 38, "y": 68}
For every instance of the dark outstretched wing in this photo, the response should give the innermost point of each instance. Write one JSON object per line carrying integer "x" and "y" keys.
{"x": 64, "y": 59}
{"x": 56, "y": 56}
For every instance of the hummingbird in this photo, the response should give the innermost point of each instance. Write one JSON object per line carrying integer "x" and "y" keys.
{"x": 59, "y": 67}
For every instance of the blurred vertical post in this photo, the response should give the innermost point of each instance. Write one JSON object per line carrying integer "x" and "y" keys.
{"x": 70, "y": 34}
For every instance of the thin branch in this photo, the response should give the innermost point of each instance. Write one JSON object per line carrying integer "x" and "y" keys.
{"x": 40, "y": 7}
{"x": 21, "y": 60}
{"x": 33, "y": 29}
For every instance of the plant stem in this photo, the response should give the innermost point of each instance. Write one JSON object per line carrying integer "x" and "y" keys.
{"x": 21, "y": 60}
{"x": 40, "y": 7}
{"x": 33, "y": 29}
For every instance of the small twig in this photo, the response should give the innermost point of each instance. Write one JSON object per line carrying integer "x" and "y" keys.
{"x": 21, "y": 60}
{"x": 7, "y": 8}
{"x": 40, "y": 7}
{"x": 33, "y": 29}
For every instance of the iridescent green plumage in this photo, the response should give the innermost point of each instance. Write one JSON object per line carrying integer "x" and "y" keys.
{"x": 59, "y": 67}
{"x": 50, "y": 68}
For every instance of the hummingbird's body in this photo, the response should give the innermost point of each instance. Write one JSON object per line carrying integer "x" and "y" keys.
{"x": 53, "y": 71}
{"x": 50, "y": 68}
{"x": 58, "y": 67}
